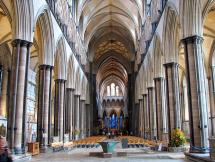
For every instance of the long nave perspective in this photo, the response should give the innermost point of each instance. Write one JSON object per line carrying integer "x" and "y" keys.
{"x": 107, "y": 80}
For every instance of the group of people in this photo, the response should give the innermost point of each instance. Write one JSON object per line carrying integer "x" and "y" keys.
{"x": 4, "y": 151}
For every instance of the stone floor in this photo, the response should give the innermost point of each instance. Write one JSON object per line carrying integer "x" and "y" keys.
{"x": 133, "y": 155}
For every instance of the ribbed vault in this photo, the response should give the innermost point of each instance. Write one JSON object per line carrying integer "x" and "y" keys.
{"x": 111, "y": 30}
{"x": 110, "y": 25}
{"x": 111, "y": 71}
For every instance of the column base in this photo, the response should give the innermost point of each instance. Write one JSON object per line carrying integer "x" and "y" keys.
{"x": 199, "y": 150}
{"x": 81, "y": 136}
{"x": 77, "y": 137}
{"x": 43, "y": 149}
{"x": 198, "y": 157}
{"x": 18, "y": 150}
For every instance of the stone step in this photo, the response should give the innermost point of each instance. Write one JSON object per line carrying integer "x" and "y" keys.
{"x": 193, "y": 157}
{"x": 22, "y": 158}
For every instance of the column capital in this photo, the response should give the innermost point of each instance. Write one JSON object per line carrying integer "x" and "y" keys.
{"x": 192, "y": 39}
{"x": 44, "y": 66}
{"x": 150, "y": 88}
{"x": 21, "y": 42}
{"x": 140, "y": 99}
{"x": 60, "y": 80}
{"x": 145, "y": 95}
{"x": 209, "y": 77}
{"x": 70, "y": 89}
{"x": 158, "y": 78}
{"x": 170, "y": 64}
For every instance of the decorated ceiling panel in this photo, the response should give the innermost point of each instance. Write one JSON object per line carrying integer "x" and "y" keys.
{"x": 114, "y": 46}
{"x": 99, "y": 18}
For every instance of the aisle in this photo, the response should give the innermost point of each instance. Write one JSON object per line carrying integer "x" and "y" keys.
{"x": 135, "y": 155}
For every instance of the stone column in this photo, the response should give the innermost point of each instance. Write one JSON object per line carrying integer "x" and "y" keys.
{"x": 211, "y": 102}
{"x": 82, "y": 119}
{"x": 16, "y": 112}
{"x": 212, "y": 99}
{"x": 172, "y": 93}
{"x": 77, "y": 113}
{"x": 50, "y": 134}
{"x": 136, "y": 119}
{"x": 70, "y": 112}
{"x": 160, "y": 105}
{"x": 1, "y": 91}
{"x": 196, "y": 87}
{"x": 66, "y": 118}
{"x": 152, "y": 112}
{"x": 146, "y": 115}
{"x": 141, "y": 117}
{"x": 43, "y": 105}
{"x": 59, "y": 108}
{"x": 87, "y": 120}
{"x": 73, "y": 113}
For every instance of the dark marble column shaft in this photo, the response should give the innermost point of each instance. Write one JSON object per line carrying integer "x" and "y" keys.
{"x": 196, "y": 87}
{"x": 160, "y": 105}
{"x": 43, "y": 105}
{"x": 172, "y": 96}
{"x": 146, "y": 115}
{"x": 77, "y": 113}
{"x": 17, "y": 96}
{"x": 59, "y": 108}
{"x": 152, "y": 112}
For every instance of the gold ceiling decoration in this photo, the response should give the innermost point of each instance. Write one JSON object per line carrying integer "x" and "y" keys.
{"x": 112, "y": 45}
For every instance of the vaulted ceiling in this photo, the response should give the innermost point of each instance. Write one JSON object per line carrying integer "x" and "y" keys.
{"x": 105, "y": 21}
{"x": 111, "y": 71}
{"x": 110, "y": 27}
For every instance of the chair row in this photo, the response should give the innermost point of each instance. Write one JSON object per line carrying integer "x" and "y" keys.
{"x": 89, "y": 142}
{"x": 136, "y": 142}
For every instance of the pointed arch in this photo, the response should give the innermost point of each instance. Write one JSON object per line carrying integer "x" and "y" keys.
{"x": 71, "y": 73}
{"x": 83, "y": 88}
{"x": 60, "y": 60}
{"x": 46, "y": 42}
{"x": 191, "y": 17}
{"x": 78, "y": 82}
{"x": 158, "y": 54}
{"x": 171, "y": 35}
{"x": 22, "y": 20}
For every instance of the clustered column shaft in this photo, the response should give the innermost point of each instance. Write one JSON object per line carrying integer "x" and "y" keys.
{"x": 59, "y": 108}
{"x": 43, "y": 113}
{"x": 197, "y": 93}
{"x": 17, "y": 107}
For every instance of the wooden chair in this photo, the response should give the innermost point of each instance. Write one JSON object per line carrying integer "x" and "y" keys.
{"x": 56, "y": 144}
{"x": 67, "y": 145}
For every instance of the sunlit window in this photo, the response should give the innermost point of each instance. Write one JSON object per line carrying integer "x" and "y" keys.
{"x": 113, "y": 90}
{"x": 108, "y": 90}
{"x": 117, "y": 90}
